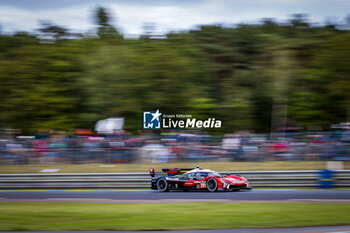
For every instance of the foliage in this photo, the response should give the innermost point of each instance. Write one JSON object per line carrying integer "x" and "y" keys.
{"x": 248, "y": 76}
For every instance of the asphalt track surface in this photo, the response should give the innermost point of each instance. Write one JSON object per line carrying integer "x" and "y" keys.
{"x": 333, "y": 229}
{"x": 145, "y": 196}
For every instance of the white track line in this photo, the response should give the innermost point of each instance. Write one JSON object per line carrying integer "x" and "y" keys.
{"x": 320, "y": 200}
{"x": 84, "y": 199}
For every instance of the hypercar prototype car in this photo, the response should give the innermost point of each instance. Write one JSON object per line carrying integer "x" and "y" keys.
{"x": 196, "y": 179}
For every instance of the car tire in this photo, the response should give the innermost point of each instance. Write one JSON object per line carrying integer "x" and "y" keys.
{"x": 212, "y": 185}
{"x": 162, "y": 185}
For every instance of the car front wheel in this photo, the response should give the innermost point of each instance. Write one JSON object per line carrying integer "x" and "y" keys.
{"x": 212, "y": 184}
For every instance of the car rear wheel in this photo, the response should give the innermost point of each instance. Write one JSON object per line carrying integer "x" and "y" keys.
{"x": 212, "y": 184}
{"x": 162, "y": 185}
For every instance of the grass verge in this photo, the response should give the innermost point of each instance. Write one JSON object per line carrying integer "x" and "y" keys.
{"x": 99, "y": 216}
{"x": 218, "y": 166}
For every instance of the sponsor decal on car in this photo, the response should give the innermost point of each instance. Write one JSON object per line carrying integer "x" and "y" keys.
{"x": 170, "y": 178}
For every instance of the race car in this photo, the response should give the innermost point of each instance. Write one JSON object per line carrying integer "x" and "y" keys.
{"x": 196, "y": 179}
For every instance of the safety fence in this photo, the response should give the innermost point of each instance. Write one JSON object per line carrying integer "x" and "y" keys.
{"x": 257, "y": 179}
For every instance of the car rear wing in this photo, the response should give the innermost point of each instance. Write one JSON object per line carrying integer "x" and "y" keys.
{"x": 171, "y": 171}
{"x": 176, "y": 171}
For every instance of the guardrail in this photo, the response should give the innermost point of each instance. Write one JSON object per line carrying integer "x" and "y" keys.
{"x": 259, "y": 179}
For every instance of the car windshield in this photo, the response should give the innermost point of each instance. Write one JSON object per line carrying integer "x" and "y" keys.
{"x": 202, "y": 174}
{"x": 214, "y": 174}
{"x": 205, "y": 174}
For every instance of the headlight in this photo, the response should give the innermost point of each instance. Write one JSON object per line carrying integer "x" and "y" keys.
{"x": 223, "y": 183}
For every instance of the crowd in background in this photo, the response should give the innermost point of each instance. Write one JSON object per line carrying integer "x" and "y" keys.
{"x": 173, "y": 146}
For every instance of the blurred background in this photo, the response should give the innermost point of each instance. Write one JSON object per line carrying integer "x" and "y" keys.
{"x": 278, "y": 79}
{"x": 76, "y": 77}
